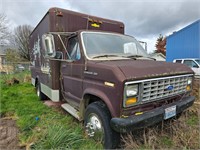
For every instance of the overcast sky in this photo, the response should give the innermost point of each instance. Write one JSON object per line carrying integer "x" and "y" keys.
{"x": 144, "y": 19}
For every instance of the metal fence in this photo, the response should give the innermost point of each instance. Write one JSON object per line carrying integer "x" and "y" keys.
{"x": 14, "y": 67}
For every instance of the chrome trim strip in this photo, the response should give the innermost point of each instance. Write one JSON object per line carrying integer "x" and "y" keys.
{"x": 140, "y": 81}
{"x": 52, "y": 94}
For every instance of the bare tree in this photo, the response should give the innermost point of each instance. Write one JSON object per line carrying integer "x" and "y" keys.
{"x": 12, "y": 55}
{"x": 21, "y": 39}
{"x": 4, "y": 32}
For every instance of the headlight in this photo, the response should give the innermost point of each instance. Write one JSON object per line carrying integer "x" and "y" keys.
{"x": 189, "y": 84}
{"x": 131, "y": 95}
{"x": 189, "y": 81}
{"x": 132, "y": 90}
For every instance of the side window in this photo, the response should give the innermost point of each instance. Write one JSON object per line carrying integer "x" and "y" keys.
{"x": 190, "y": 63}
{"x": 178, "y": 61}
{"x": 194, "y": 65}
{"x": 73, "y": 48}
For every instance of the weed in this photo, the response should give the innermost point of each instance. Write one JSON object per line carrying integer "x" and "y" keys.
{"x": 176, "y": 134}
{"x": 166, "y": 141}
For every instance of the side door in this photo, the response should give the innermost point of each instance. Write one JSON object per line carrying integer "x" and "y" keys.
{"x": 193, "y": 65}
{"x": 71, "y": 73}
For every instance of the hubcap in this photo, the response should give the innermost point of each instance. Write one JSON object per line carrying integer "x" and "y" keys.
{"x": 94, "y": 127}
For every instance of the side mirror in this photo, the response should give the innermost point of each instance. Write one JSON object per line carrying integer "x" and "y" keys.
{"x": 49, "y": 46}
{"x": 195, "y": 66}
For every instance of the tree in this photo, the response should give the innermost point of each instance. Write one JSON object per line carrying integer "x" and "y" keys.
{"x": 12, "y": 56}
{"x": 161, "y": 45}
{"x": 21, "y": 39}
{"x": 4, "y": 32}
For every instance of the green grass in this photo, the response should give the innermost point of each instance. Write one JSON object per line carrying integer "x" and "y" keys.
{"x": 41, "y": 127}
{"x": 192, "y": 120}
{"x": 166, "y": 141}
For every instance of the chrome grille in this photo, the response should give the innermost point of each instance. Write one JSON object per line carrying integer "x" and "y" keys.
{"x": 157, "y": 89}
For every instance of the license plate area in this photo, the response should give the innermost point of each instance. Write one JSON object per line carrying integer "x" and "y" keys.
{"x": 170, "y": 112}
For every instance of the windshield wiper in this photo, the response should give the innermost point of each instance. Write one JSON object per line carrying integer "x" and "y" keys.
{"x": 106, "y": 55}
{"x": 134, "y": 56}
{"x": 137, "y": 56}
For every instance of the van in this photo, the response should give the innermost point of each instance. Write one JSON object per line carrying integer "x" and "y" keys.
{"x": 104, "y": 78}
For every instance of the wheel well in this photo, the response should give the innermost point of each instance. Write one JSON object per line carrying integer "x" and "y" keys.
{"x": 88, "y": 99}
{"x": 36, "y": 81}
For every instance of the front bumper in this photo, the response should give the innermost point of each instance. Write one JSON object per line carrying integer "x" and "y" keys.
{"x": 149, "y": 118}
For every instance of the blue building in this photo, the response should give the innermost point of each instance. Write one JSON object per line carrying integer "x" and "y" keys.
{"x": 184, "y": 43}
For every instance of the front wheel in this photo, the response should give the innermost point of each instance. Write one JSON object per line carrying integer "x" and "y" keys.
{"x": 97, "y": 125}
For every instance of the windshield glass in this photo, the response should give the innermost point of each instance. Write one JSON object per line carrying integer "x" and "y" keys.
{"x": 113, "y": 45}
{"x": 198, "y": 61}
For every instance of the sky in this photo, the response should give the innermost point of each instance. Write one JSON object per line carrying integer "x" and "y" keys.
{"x": 143, "y": 19}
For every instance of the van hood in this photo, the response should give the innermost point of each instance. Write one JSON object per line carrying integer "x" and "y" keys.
{"x": 142, "y": 69}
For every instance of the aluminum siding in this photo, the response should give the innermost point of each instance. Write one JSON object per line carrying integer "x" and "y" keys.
{"x": 184, "y": 43}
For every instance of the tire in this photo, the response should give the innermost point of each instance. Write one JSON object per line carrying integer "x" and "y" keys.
{"x": 39, "y": 93}
{"x": 97, "y": 125}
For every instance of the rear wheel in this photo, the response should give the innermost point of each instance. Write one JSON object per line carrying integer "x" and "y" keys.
{"x": 97, "y": 125}
{"x": 41, "y": 95}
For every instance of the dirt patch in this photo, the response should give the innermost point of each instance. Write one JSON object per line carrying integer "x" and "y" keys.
{"x": 50, "y": 103}
{"x": 8, "y": 136}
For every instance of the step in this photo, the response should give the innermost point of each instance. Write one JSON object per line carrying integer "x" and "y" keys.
{"x": 71, "y": 110}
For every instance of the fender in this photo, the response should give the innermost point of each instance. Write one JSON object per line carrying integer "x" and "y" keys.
{"x": 103, "y": 97}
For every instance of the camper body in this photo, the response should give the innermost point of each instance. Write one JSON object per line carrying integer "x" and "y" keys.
{"x": 103, "y": 77}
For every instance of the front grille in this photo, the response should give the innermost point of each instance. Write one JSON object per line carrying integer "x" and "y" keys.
{"x": 158, "y": 88}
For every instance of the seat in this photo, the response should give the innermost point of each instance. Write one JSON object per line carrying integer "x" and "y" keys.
{"x": 59, "y": 55}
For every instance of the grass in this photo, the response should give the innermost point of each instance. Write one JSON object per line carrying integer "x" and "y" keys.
{"x": 40, "y": 127}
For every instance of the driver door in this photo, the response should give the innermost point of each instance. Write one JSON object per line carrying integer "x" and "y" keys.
{"x": 71, "y": 73}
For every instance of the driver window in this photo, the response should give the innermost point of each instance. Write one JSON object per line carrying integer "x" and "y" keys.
{"x": 73, "y": 48}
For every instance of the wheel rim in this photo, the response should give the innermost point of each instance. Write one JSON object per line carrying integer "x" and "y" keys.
{"x": 94, "y": 127}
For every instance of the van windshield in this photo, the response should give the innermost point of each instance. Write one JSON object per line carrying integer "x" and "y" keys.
{"x": 100, "y": 44}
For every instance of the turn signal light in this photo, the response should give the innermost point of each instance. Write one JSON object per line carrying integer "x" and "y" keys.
{"x": 131, "y": 101}
{"x": 188, "y": 88}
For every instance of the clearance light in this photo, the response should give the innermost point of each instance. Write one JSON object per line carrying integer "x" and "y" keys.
{"x": 138, "y": 113}
{"x": 109, "y": 84}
